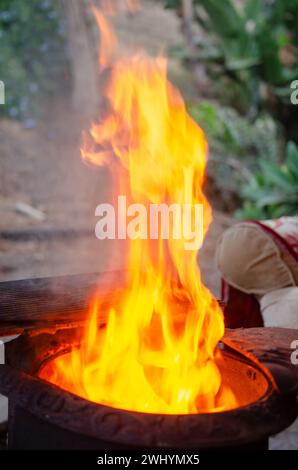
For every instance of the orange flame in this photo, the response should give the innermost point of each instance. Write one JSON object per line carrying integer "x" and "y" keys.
{"x": 157, "y": 352}
{"x": 108, "y": 39}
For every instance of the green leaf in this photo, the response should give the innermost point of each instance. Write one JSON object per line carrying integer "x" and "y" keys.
{"x": 272, "y": 65}
{"x": 275, "y": 212}
{"x": 253, "y": 8}
{"x": 275, "y": 198}
{"x": 250, "y": 211}
{"x": 172, "y": 4}
{"x": 178, "y": 52}
{"x": 224, "y": 17}
{"x": 241, "y": 52}
{"x": 292, "y": 158}
{"x": 283, "y": 92}
{"x": 274, "y": 175}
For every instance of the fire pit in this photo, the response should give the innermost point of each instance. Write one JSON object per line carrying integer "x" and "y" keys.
{"x": 254, "y": 362}
{"x": 148, "y": 366}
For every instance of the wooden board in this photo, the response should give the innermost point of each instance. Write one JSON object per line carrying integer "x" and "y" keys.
{"x": 45, "y": 302}
{"x": 50, "y": 302}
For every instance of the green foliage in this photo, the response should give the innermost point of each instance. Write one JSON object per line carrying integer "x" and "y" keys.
{"x": 273, "y": 191}
{"x": 255, "y": 46}
{"x": 250, "y": 50}
{"x": 32, "y": 56}
{"x": 236, "y": 144}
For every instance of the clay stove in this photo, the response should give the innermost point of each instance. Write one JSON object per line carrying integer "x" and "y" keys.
{"x": 255, "y": 362}
{"x": 160, "y": 373}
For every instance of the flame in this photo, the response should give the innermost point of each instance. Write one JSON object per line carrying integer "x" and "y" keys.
{"x": 157, "y": 351}
{"x": 111, "y": 7}
{"x": 108, "y": 39}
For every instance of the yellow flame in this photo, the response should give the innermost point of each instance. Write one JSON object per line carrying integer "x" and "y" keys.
{"x": 156, "y": 353}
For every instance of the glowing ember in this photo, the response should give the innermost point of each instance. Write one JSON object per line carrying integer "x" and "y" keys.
{"x": 157, "y": 352}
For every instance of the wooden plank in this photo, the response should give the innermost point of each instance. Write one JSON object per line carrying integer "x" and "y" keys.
{"x": 46, "y": 234}
{"x": 45, "y": 302}
{"x": 53, "y": 302}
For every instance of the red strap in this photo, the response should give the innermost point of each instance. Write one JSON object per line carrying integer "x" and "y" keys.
{"x": 241, "y": 310}
{"x": 279, "y": 240}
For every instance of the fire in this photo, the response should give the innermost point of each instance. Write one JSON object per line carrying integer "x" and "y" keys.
{"x": 157, "y": 351}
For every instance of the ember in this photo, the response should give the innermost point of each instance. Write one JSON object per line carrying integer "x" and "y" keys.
{"x": 157, "y": 353}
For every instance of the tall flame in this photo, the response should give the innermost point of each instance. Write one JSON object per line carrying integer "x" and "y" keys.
{"x": 157, "y": 351}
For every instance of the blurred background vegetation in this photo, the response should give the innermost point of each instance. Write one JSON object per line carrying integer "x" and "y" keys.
{"x": 243, "y": 57}
{"x": 33, "y": 55}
